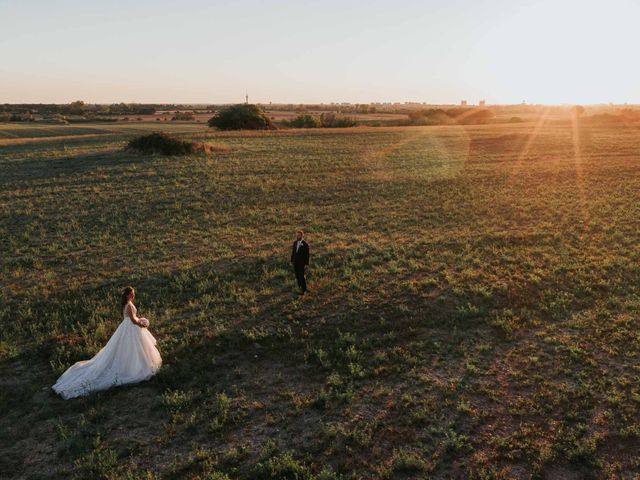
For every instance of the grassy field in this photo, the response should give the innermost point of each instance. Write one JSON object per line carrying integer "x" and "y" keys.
{"x": 473, "y": 307}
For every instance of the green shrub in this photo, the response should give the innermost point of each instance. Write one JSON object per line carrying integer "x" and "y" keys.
{"x": 99, "y": 463}
{"x": 101, "y": 118}
{"x": 431, "y": 116}
{"x": 331, "y": 120}
{"x": 243, "y": 116}
{"x": 78, "y": 119}
{"x": 405, "y": 461}
{"x": 183, "y": 116}
{"x": 283, "y": 467}
{"x": 303, "y": 121}
{"x": 159, "y": 142}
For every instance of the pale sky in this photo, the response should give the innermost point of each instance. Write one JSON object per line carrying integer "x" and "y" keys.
{"x": 435, "y": 51}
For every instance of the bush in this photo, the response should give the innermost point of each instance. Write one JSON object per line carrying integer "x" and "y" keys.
{"x": 331, "y": 120}
{"x": 282, "y": 467}
{"x": 432, "y": 116}
{"x": 16, "y": 118}
{"x": 183, "y": 116}
{"x": 303, "y": 121}
{"x": 243, "y": 116}
{"x": 77, "y": 119}
{"x": 405, "y": 461}
{"x": 164, "y": 144}
{"x": 103, "y": 119}
{"x": 475, "y": 117}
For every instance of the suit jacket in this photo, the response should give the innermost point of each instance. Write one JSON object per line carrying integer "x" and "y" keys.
{"x": 301, "y": 257}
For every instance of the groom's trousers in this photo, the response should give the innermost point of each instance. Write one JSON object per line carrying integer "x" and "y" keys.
{"x": 302, "y": 282}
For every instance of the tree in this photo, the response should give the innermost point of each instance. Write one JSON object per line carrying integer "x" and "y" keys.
{"x": 243, "y": 116}
{"x": 76, "y": 108}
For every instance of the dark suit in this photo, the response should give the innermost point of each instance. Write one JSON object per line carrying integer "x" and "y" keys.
{"x": 300, "y": 259}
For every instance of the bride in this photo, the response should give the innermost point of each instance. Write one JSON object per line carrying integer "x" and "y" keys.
{"x": 130, "y": 356}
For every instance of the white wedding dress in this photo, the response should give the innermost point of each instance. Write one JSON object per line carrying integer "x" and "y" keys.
{"x": 130, "y": 356}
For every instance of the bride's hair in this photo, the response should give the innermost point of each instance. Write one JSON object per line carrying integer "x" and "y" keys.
{"x": 125, "y": 296}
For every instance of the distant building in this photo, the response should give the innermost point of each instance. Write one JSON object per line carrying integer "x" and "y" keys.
{"x": 463, "y": 103}
{"x": 482, "y": 103}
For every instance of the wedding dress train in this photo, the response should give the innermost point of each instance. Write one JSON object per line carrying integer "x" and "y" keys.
{"x": 130, "y": 356}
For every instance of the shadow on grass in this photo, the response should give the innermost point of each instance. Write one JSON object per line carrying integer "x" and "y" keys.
{"x": 39, "y": 168}
{"x": 237, "y": 326}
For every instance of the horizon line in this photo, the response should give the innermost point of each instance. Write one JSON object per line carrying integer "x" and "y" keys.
{"x": 335, "y": 103}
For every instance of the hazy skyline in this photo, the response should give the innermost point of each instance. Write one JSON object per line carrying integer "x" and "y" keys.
{"x": 307, "y": 52}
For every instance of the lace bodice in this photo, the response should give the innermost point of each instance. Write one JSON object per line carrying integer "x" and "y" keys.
{"x": 125, "y": 311}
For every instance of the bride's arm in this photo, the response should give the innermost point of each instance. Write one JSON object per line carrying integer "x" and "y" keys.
{"x": 132, "y": 315}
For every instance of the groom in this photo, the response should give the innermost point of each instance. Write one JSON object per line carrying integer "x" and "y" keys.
{"x": 300, "y": 259}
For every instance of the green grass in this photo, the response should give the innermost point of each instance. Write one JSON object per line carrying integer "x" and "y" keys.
{"x": 35, "y": 130}
{"x": 473, "y": 305}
